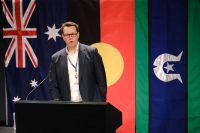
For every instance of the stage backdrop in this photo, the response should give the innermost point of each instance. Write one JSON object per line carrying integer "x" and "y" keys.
{"x": 31, "y": 35}
{"x": 167, "y": 62}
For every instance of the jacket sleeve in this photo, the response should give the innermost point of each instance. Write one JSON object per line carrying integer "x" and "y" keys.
{"x": 53, "y": 84}
{"x": 100, "y": 76}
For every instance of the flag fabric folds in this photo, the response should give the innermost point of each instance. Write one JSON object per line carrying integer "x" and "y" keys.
{"x": 167, "y": 70}
{"x": 167, "y": 45}
{"x": 117, "y": 29}
{"x": 156, "y": 41}
{"x": 193, "y": 66}
{"x": 31, "y": 34}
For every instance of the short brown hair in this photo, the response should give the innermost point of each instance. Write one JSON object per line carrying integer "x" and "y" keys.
{"x": 69, "y": 24}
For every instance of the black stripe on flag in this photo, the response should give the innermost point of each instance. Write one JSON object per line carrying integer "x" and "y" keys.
{"x": 86, "y": 13}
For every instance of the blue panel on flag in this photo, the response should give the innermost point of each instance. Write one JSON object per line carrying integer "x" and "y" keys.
{"x": 168, "y": 59}
{"x": 31, "y": 36}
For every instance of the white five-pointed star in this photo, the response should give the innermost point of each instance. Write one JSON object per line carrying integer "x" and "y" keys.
{"x": 52, "y": 32}
{"x": 16, "y": 99}
{"x": 169, "y": 67}
{"x": 33, "y": 83}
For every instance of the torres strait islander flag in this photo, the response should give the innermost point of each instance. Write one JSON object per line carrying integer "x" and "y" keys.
{"x": 31, "y": 35}
{"x": 167, "y": 66}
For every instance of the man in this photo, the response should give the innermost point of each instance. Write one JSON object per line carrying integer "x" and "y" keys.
{"x": 77, "y": 72}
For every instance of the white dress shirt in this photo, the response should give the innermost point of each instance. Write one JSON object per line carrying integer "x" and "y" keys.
{"x": 73, "y": 71}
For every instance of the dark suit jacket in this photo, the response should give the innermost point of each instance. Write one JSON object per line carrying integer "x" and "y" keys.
{"x": 92, "y": 78}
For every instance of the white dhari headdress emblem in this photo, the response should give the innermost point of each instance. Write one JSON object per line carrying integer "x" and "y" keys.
{"x": 160, "y": 61}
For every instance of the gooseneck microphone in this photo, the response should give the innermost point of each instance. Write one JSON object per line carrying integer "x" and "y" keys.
{"x": 36, "y": 86}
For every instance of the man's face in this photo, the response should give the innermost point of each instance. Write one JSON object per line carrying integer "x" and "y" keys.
{"x": 70, "y": 36}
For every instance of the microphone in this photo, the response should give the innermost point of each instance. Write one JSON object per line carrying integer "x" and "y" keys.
{"x": 36, "y": 86}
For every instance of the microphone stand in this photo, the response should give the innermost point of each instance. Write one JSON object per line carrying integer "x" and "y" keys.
{"x": 36, "y": 87}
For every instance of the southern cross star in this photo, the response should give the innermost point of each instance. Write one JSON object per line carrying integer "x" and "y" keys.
{"x": 34, "y": 83}
{"x": 52, "y": 32}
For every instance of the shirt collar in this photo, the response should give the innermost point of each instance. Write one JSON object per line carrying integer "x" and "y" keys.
{"x": 77, "y": 47}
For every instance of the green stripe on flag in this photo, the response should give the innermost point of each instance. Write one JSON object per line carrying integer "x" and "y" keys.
{"x": 142, "y": 91}
{"x": 193, "y": 66}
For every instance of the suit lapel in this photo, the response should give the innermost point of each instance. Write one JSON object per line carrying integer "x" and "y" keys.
{"x": 65, "y": 67}
{"x": 81, "y": 56}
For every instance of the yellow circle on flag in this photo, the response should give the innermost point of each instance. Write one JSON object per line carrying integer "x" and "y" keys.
{"x": 113, "y": 62}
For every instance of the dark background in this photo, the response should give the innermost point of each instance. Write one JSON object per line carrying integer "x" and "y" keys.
{"x": 2, "y": 77}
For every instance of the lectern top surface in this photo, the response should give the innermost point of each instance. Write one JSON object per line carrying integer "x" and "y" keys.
{"x": 60, "y": 102}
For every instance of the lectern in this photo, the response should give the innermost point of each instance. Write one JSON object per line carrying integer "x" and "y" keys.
{"x": 66, "y": 117}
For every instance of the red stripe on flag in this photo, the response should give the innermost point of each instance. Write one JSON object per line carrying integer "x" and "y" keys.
{"x": 20, "y": 47}
{"x": 117, "y": 28}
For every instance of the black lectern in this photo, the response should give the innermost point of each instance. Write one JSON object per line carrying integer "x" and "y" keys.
{"x": 66, "y": 117}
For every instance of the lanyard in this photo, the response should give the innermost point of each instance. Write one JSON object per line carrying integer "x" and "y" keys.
{"x": 74, "y": 66}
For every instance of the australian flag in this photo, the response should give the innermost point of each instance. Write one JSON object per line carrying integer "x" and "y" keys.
{"x": 31, "y": 34}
